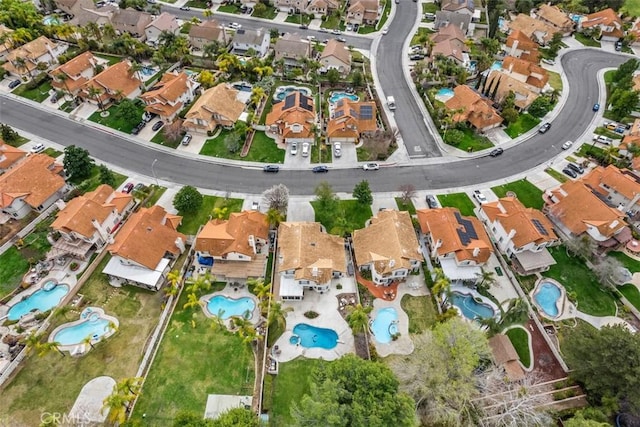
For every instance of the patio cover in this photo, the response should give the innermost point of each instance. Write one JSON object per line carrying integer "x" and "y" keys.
{"x": 535, "y": 260}
{"x": 289, "y": 287}
{"x": 135, "y": 273}
{"x": 455, "y": 272}
{"x": 63, "y": 247}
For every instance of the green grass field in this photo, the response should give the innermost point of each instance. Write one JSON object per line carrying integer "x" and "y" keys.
{"x": 520, "y": 340}
{"x": 630, "y": 263}
{"x": 402, "y": 206}
{"x": 263, "y": 149}
{"x": 458, "y": 200}
{"x": 355, "y": 213}
{"x": 191, "y": 222}
{"x": 527, "y": 193}
{"x": 12, "y": 267}
{"x": 631, "y": 8}
{"x": 631, "y": 293}
{"x": 525, "y": 123}
{"x": 421, "y": 311}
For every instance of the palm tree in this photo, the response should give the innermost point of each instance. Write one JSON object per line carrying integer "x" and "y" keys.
{"x": 45, "y": 348}
{"x": 64, "y": 79}
{"x": 245, "y": 329}
{"x": 135, "y": 69}
{"x": 192, "y": 301}
{"x": 32, "y": 341}
{"x": 610, "y": 154}
{"x": 358, "y": 318}
{"x": 261, "y": 289}
{"x": 130, "y": 385}
{"x": 112, "y": 326}
{"x": 487, "y": 278}
{"x": 109, "y": 32}
{"x": 173, "y": 277}
{"x": 117, "y": 404}
{"x": 96, "y": 93}
{"x": 88, "y": 340}
{"x": 441, "y": 284}
{"x": 274, "y": 218}
{"x": 207, "y": 13}
{"x": 94, "y": 29}
{"x": 210, "y": 50}
{"x": 278, "y": 314}
{"x": 21, "y": 64}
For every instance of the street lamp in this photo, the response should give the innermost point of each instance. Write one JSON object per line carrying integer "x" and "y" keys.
{"x": 154, "y": 172}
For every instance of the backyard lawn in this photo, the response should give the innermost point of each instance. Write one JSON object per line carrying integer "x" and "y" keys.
{"x": 37, "y": 94}
{"x": 576, "y": 277}
{"x": 263, "y": 149}
{"x": 527, "y": 193}
{"x": 421, "y": 311}
{"x": 631, "y": 293}
{"x": 458, "y": 200}
{"x": 525, "y": 123}
{"x": 291, "y": 383}
{"x": 191, "y": 222}
{"x": 115, "y": 122}
{"x": 402, "y": 206}
{"x": 520, "y": 340}
{"x": 192, "y": 362}
{"x": 12, "y": 267}
{"x": 51, "y": 383}
{"x": 630, "y": 263}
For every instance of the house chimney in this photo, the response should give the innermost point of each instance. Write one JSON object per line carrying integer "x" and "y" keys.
{"x": 252, "y": 243}
{"x": 180, "y": 244}
{"x": 476, "y": 252}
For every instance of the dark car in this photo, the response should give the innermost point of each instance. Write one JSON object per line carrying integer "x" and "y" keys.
{"x": 596, "y": 107}
{"x": 271, "y": 168}
{"x": 320, "y": 169}
{"x": 576, "y": 168}
{"x": 157, "y": 125}
{"x": 431, "y": 201}
{"x": 416, "y": 57}
{"x": 136, "y": 130}
{"x": 545, "y": 127}
{"x": 496, "y": 152}
{"x": 303, "y": 27}
{"x": 139, "y": 187}
{"x": 618, "y": 46}
{"x": 569, "y": 172}
{"x": 14, "y": 84}
{"x": 128, "y": 188}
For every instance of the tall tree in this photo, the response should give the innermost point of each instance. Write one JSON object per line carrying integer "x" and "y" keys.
{"x": 77, "y": 163}
{"x": 327, "y": 204}
{"x": 188, "y": 200}
{"x": 362, "y": 193}
{"x": 106, "y": 176}
{"x": 278, "y": 314}
{"x": 358, "y": 318}
{"x": 277, "y": 197}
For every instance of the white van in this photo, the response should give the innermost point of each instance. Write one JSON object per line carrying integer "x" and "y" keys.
{"x": 391, "y": 103}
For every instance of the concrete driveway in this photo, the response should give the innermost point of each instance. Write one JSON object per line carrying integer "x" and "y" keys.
{"x": 300, "y": 209}
{"x": 349, "y": 157}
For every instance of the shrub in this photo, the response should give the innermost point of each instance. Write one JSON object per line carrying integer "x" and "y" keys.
{"x": 339, "y": 286}
{"x": 311, "y": 314}
{"x": 74, "y": 266}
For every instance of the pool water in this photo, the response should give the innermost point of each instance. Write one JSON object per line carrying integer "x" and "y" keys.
{"x": 225, "y": 307}
{"x": 471, "y": 309}
{"x": 385, "y": 325}
{"x": 283, "y": 92}
{"x": 50, "y": 20}
{"x": 311, "y": 336}
{"x": 95, "y": 328}
{"x": 41, "y": 300}
{"x": 337, "y": 96}
{"x": 547, "y": 297}
{"x": 497, "y": 65}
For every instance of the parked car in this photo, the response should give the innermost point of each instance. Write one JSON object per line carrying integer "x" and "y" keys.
{"x": 602, "y": 139}
{"x": 235, "y": 26}
{"x": 336, "y": 32}
{"x": 567, "y": 145}
{"x": 618, "y": 46}
{"x": 139, "y": 186}
{"x": 480, "y": 197}
{"x": 294, "y": 148}
{"x": 544, "y": 128}
{"x": 496, "y": 152}
{"x": 54, "y": 98}
{"x": 185, "y": 8}
{"x": 430, "y": 16}
{"x": 128, "y": 188}
{"x": 136, "y": 130}
{"x": 596, "y": 107}
{"x": 549, "y": 61}
{"x": 432, "y": 202}
{"x": 371, "y": 166}
{"x": 576, "y": 168}
{"x": 305, "y": 149}
{"x": 38, "y": 148}
{"x": 271, "y": 168}
{"x": 341, "y": 39}
{"x": 304, "y": 27}
{"x": 416, "y": 56}
{"x": 620, "y": 129}
{"x": 385, "y": 31}
{"x": 311, "y": 38}
{"x": 186, "y": 139}
{"x": 569, "y": 172}
{"x": 255, "y": 206}
{"x": 610, "y": 125}
{"x": 320, "y": 169}
{"x": 157, "y": 125}
{"x": 323, "y": 30}
{"x": 14, "y": 84}
{"x": 337, "y": 149}
{"x": 147, "y": 117}
{"x": 349, "y": 27}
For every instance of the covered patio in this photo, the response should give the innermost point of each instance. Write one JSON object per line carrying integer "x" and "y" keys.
{"x": 529, "y": 262}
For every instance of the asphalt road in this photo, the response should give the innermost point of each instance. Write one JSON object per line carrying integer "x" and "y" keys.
{"x": 418, "y": 140}
{"x": 580, "y": 66}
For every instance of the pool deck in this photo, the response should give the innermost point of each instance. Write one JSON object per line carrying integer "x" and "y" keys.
{"x": 326, "y": 305}
{"x": 233, "y": 292}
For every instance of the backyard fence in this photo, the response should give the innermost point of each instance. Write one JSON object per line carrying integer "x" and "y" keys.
{"x": 28, "y": 228}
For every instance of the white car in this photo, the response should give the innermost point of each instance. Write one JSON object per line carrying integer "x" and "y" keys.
{"x": 337, "y": 149}
{"x": 305, "y": 149}
{"x": 385, "y": 31}
{"x": 38, "y": 148}
{"x": 602, "y": 139}
{"x": 294, "y": 148}
{"x": 255, "y": 206}
{"x": 336, "y": 32}
{"x": 371, "y": 166}
{"x": 235, "y": 26}
{"x": 567, "y": 145}
{"x": 480, "y": 197}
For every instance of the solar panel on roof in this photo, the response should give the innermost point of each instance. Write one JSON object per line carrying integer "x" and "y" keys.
{"x": 305, "y": 102}
{"x": 290, "y": 101}
{"x": 353, "y": 113}
{"x": 338, "y": 114}
{"x": 466, "y": 232}
{"x": 540, "y": 227}
{"x": 366, "y": 112}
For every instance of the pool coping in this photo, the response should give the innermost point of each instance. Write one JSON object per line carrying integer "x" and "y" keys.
{"x": 80, "y": 349}
{"x": 561, "y": 303}
{"x": 30, "y": 291}
{"x": 460, "y": 289}
{"x": 276, "y": 92}
{"x": 256, "y": 315}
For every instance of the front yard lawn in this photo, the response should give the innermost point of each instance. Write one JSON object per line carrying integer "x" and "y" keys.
{"x": 576, "y": 277}
{"x": 587, "y": 41}
{"x": 37, "y": 94}
{"x": 458, "y": 200}
{"x": 269, "y": 13}
{"x": 193, "y": 360}
{"x": 527, "y": 193}
{"x": 321, "y": 153}
{"x": 160, "y": 139}
{"x": 421, "y": 311}
{"x": 158, "y": 191}
{"x": 558, "y": 176}
{"x": 227, "y": 8}
{"x": 115, "y": 122}
{"x": 421, "y": 36}
{"x": 51, "y": 383}
{"x": 191, "y": 222}
{"x": 295, "y": 19}
{"x": 332, "y": 22}
{"x": 520, "y": 340}
{"x": 630, "y": 263}
{"x": 472, "y": 142}
{"x": 12, "y": 267}
{"x": 525, "y": 123}
{"x": 402, "y": 206}
{"x": 52, "y": 152}
{"x": 631, "y": 293}
{"x": 429, "y": 8}
{"x": 93, "y": 181}
{"x": 263, "y": 149}
{"x": 555, "y": 80}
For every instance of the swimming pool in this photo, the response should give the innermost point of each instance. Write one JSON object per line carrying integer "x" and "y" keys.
{"x": 147, "y": 71}
{"x": 283, "y": 91}
{"x": 94, "y": 327}
{"x": 470, "y": 308}
{"x": 337, "y": 96}
{"x": 385, "y": 325}
{"x": 41, "y": 299}
{"x": 50, "y": 20}
{"x": 226, "y": 307}
{"x": 547, "y": 297}
{"x": 497, "y": 65}
{"x": 311, "y": 336}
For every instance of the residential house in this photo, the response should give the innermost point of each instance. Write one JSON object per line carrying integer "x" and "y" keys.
{"x": 116, "y": 82}
{"x": 458, "y": 243}
{"x": 290, "y": 6}
{"x": 620, "y": 187}
{"x": 362, "y": 12}
{"x": 518, "y": 45}
{"x": 163, "y": 22}
{"x": 5, "y": 46}
{"x": 554, "y": 16}
{"x": 502, "y": 84}
{"x": 607, "y": 22}
{"x": 579, "y": 210}
{"x": 9, "y": 156}
{"x": 527, "y": 72}
{"x": 449, "y": 42}
{"x": 217, "y": 106}
{"x": 472, "y": 108}
{"x": 634, "y": 30}
{"x": 335, "y": 56}
{"x": 535, "y": 29}
{"x": 168, "y": 96}
{"x": 387, "y": 247}
{"x": 292, "y": 50}
{"x": 256, "y": 40}
{"x": 131, "y": 21}
{"x": 206, "y": 32}
{"x": 350, "y": 120}
{"x": 144, "y": 249}
{"x": 506, "y": 357}
{"x": 523, "y": 234}
{"x": 466, "y": 7}
{"x": 322, "y": 8}
{"x": 89, "y": 221}
{"x": 101, "y": 16}
{"x": 33, "y": 184}
{"x": 460, "y": 20}
{"x": 74, "y": 7}
{"x": 75, "y": 73}
{"x": 307, "y": 258}
{"x": 293, "y": 118}
{"x": 23, "y": 61}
